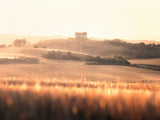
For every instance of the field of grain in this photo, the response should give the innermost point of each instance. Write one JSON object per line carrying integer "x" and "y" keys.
{"x": 66, "y": 99}
{"x": 74, "y": 70}
{"x": 61, "y": 91}
{"x": 71, "y": 90}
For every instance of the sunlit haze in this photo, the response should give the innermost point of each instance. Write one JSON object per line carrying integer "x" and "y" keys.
{"x": 125, "y": 19}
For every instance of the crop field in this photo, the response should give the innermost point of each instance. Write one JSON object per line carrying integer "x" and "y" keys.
{"x": 66, "y": 99}
{"x": 60, "y": 92}
{"x": 146, "y": 61}
{"x": 72, "y": 90}
{"x": 152, "y": 64}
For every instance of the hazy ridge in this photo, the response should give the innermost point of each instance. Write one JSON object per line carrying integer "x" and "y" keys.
{"x": 106, "y": 48}
{"x": 9, "y": 38}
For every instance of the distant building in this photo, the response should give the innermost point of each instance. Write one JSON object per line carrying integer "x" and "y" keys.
{"x": 81, "y": 36}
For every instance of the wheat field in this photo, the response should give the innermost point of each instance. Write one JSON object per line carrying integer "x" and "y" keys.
{"x": 67, "y": 99}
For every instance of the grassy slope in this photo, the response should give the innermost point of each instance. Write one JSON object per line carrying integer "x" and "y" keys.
{"x": 109, "y": 73}
{"x": 104, "y": 48}
{"x": 146, "y": 61}
{"x": 152, "y": 64}
{"x": 73, "y": 69}
{"x": 30, "y": 52}
{"x": 44, "y": 54}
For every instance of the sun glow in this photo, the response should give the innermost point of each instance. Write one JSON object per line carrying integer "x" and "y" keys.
{"x": 37, "y": 87}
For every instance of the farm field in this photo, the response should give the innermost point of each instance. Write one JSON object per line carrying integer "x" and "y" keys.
{"x": 109, "y": 73}
{"x": 72, "y": 90}
{"x": 152, "y": 64}
{"x": 102, "y": 93}
{"x": 155, "y": 61}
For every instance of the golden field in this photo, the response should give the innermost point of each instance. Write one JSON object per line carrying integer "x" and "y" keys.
{"x": 66, "y": 99}
{"x": 72, "y": 90}
{"x": 155, "y": 61}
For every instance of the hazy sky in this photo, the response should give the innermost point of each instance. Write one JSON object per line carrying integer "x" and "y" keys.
{"x": 128, "y": 19}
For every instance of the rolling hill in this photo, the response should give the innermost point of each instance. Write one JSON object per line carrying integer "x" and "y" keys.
{"x": 107, "y": 48}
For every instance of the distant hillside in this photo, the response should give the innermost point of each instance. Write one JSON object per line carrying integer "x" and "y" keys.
{"x": 107, "y": 48}
{"x": 90, "y": 60}
{"x": 9, "y": 38}
{"x": 145, "y": 41}
{"x": 14, "y": 55}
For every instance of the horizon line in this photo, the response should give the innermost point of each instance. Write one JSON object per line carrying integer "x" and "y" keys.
{"x": 95, "y": 37}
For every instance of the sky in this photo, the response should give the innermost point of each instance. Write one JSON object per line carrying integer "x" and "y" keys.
{"x": 108, "y": 19}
